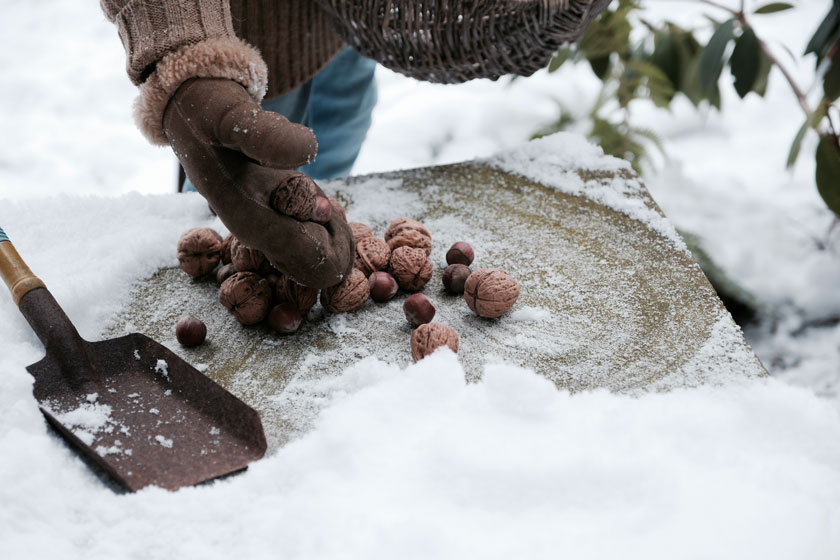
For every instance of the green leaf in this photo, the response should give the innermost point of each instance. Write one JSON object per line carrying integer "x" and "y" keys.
{"x": 764, "y": 67}
{"x": 666, "y": 56}
{"x": 821, "y": 39}
{"x": 811, "y": 122}
{"x": 640, "y": 73}
{"x": 558, "y": 59}
{"x": 609, "y": 33}
{"x": 774, "y": 7}
{"x": 831, "y": 80}
{"x": 828, "y": 172}
{"x": 711, "y": 62}
{"x": 600, "y": 66}
{"x": 745, "y": 61}
{"x": 689, "y": 52}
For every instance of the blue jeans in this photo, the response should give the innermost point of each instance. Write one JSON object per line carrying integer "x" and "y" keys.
{"x": 336, "y": 104}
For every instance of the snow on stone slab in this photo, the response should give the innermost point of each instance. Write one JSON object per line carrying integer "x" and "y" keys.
{"x": 607, "y": 300}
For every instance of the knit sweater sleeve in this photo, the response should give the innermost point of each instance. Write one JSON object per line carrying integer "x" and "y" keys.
{"x": 168, "y": 42}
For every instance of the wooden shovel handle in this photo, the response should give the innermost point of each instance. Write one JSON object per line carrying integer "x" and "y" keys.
{"x": 14, "y": 271}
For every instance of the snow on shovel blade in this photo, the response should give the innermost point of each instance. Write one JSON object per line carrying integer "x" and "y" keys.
{"x": 149, "y": 418}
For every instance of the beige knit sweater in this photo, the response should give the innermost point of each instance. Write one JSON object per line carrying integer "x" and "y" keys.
{"x": 169, "y": 41}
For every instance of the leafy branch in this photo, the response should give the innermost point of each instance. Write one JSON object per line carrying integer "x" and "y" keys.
{"x": 669, "y": 60}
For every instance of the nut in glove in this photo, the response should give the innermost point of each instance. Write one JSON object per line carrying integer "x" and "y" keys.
{"x": 242, "y": 160}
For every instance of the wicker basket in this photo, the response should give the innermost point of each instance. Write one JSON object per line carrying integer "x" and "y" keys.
{"x": 452, "y": 41}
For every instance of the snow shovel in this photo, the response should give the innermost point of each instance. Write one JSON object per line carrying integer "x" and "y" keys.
{"x": 129, "y": 404}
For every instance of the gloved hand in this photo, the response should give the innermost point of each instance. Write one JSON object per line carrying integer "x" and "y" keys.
{"x": 242, "y": 159}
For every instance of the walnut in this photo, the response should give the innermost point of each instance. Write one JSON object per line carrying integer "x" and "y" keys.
{"x": 348, "y": 296}
{"x": 372, "y": 254}
{"x": 404, "y": 224}
{"x": 294, "y": 196}
{"x": 405, "y": 232}
{"x": 245, "y": 259}
{"x": 360, "y": 230}
{"x": 247, "y": 296}
{"x": 411, "y": 238}
{"x": 411, "y": 268}
{"x": 490, "y": 292}
{"x": 226, "y": 248}
{"x": 338, "y": 208}
{"x": 428, "y": 337}
{"x": 199, "y": 251}
{"x": 291, "y": 294}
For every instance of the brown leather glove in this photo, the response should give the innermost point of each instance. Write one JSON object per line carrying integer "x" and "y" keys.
{"x": 242, "y": 159}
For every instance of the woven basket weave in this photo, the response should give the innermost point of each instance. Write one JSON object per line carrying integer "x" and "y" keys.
{"x": 452, "y": 41}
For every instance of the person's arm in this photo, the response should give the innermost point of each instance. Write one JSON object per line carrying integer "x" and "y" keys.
{"x": 200, "y": 88}
{"x": 168, "y": 42}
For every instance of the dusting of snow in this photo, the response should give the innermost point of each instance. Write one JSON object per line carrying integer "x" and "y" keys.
{"x": 163, "y": 441}
{"x": 115, "y": 449}
{"x": 137, "y": 355}
{"x": 86, "y": 421}
{"x": 530, "y": 314}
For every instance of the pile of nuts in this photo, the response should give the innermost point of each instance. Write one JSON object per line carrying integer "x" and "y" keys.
{"x": 255, "y": 292}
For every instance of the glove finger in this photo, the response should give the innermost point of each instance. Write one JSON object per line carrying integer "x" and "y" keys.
{"x": 265, "y": 136}
{"x": 289, "y": 192}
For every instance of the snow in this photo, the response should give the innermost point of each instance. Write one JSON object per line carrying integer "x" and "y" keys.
{"x": 539, "y": 160}
{"x": 417, "y": 464}
{"x": 86, "y": 420}
{"x": 412, "y": 462}
{"x": 162, "y": 368}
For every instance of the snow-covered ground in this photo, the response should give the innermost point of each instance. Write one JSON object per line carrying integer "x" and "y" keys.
{"x": 413, "y": 463}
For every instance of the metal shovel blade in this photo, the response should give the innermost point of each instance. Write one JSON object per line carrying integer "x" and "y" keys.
{"x": 129, "y": 404}
{"x": 150, "y": 418}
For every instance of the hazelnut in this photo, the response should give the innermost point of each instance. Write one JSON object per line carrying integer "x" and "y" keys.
{"x": 224, "y": 273}
{"x": 401, "y": 225}
{"x": 360, "y": 230}
{"x": 272, "y": 278}
{"x": 190, "y": 331}
{"x": 382, "y": 286}
{"x": 247, "y": 296}
{"x": 245, "y": 259}
{"x": 284, "y": 320}
{"x": 226, "y": 248}
{"x": 199, "y": 251}
{"x": 418, "y": 309}
{"x": 338, "y": 208}
{"x": 490, "y": 292}
{"x": 349, "y": 295}
{"x": 454, "y": 278}
{"x": 428, "y": 337}
{"x": 295, "y": 196}
{"x": 291, "y": 294}
{"x": 372, "y": 254}
{"x": 460, "y": 253}
{"x": 323, "y": 210}
{"x": 411, "y": 268}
